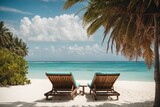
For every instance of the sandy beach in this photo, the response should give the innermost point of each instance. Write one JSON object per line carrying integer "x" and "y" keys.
{"x": 132, "y": 94}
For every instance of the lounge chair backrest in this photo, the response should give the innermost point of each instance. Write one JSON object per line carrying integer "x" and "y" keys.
{"x": 61, "y": 81}
{"x": 104, "y": 80}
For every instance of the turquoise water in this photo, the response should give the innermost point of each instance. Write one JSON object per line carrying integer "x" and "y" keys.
{"x": 131, "y": 71}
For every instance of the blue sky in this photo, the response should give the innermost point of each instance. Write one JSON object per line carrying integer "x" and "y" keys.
{"x": 53, "y": 34}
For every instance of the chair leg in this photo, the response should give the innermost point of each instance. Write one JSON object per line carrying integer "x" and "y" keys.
{"x": 72, "y": 98}
{"x": 95, "y": 97}
{"x": 47, "y": 97}
{"x": 50, "y": 93}
{"x": 46, "y": 94}
{"x": 117, "y": 97}
{"x": 90, "y": 92}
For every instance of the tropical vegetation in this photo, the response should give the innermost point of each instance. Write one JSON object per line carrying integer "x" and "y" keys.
{"x": 13, "y": 67}
{"x": 13, "y": 43}
{"x": 132, "y": 27}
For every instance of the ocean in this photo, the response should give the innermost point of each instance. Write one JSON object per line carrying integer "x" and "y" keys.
{"x": 129, "y": 70}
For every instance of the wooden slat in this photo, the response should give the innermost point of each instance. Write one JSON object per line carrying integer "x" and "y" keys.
{"x": 104, "y": 82}
{"x": 62, "y": 84}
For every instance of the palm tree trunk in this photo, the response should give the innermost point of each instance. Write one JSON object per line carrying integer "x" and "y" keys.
{"x": 156, "y": 64}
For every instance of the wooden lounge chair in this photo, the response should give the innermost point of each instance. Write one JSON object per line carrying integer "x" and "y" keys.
{"x": 102, "y": 84}
{"x": 62, "y": 84}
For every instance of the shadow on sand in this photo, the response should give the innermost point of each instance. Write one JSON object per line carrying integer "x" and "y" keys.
{"x": 89, "y": 98}
{"x": 108, "y": 101}
{"x": 55, "y": 99}
{"x": 137, "y": 104}
{"x": 35, "y": 104}
{"x": 18, "y": 104}
{"x": 43, "y": 104}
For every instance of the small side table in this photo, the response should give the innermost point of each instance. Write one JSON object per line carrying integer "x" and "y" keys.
{"x": 83, "y": 89}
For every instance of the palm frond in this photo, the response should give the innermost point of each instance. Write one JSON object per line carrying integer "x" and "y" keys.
{"x": 70, "y": 3}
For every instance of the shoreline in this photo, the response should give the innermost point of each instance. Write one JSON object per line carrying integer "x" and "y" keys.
{"x": 132, "y": 94}
{"x": 88, "y": 61}
{"x": 91, "y": 80}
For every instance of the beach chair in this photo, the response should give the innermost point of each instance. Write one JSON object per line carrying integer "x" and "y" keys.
{"x": 62, "y": 84}
{"x": 102, "y": 84}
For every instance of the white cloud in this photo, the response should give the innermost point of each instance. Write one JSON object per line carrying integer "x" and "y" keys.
{"x": 64, "y": 27}
{"x": 72, "y": 53}
{"x": 8, "y": 9}
{"x": 75, "y": 50}
{"x": 85, "y": 50}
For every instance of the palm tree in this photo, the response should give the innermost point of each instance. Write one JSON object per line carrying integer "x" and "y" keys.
{"x": 147, "y": 18}
{"x": 133, "y": 25}
{"x": 4, "y": 39}
{"x": 17, "y": 45}
{"x": 20, "y": 46}
{"x": 12, "y": 43}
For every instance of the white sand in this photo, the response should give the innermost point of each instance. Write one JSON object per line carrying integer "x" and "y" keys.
{"x": 132, "y": 94}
